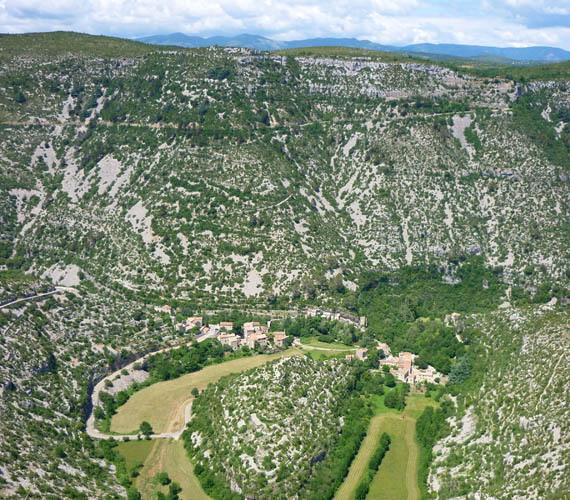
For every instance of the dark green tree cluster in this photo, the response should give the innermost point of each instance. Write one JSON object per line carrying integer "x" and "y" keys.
{"x": 187, "y": 359}
{"x": 211, "y": 483}
{"x": 401, "y": 307}
{"x": 396, "y": 398}
{"x": 325, "y": 330}
{"x": 429, "y": 427}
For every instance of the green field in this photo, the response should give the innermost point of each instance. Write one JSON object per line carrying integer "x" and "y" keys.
{"x": 321, "y": 350}
{"x": 162, "y": 404}
{"x": 162, "y": 455}
{"x": 398, "y": 474}
{"x": 397, "y": 477}
{"x": 334, "y": 346}
{"x": 135, "y": 452}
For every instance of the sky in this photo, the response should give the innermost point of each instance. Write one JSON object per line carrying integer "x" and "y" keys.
{"x": 512, "y": 23}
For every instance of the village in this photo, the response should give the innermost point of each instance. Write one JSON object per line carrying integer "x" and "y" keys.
{"x": 254, "y": 334}
{"x": 402, "y": 366}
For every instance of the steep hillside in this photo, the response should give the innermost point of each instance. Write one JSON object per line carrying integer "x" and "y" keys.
{"x": 133, "y": 176}
{"x": 192, "y": 171}
{"x": 51, "y": 350}
{"x": 511, "y": 438}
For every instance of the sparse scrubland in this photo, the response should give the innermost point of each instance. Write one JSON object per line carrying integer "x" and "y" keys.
{"x": 431, "y": 199}
{"x": 292, "y": 426}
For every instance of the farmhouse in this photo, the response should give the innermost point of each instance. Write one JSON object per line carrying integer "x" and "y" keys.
{"x": 256, "y": 338}
{"x": 279, "y": 338}
{"x": 253, "y": 328}
{"x": 211, "y": 331}
{"x": 230, "y": 340}
{"x": 407, "y": 372}
{"x": 390, "y": 361}
{"x": 192, "y": 322}
{"x": 430, "y": 374}
{"x": 405, "y": 360}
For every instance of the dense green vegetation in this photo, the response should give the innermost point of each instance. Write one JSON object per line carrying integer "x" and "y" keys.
{"x": 329, "y": 474}
{"x": 396, "y": 397}
{"x": 429, "y": 428}
{"x": 527, "y": 115}
{"x": 188, "y": 359}
{"x": 323, "y": 329}
{"x": 406, "y": 308}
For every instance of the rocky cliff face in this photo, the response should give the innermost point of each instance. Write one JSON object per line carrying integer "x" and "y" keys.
{"x": 186, "y": 172}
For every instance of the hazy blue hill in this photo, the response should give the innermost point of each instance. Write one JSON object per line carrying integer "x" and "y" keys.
{"x": 496, "y": 54}
{"x": 245, "y": 40}
{"x": 179, "y": 39}
{"x": 475, "y": 51}
{"x": 339, "y": 42}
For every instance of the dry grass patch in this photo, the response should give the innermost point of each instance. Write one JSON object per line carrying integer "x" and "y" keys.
{"x": 169, "y": 456}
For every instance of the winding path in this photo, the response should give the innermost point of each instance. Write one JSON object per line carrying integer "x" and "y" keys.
{"x": 58, "y": 289}
{"x": 95, "y": 433}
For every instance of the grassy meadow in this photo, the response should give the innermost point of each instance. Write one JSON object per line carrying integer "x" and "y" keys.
{"x": 135, "y": 452}
{"x": 319, "y": 350}
{"x": 162, "y": 455}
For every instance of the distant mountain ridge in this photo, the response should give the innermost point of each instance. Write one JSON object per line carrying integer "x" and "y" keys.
{"x": 539, "y": 54}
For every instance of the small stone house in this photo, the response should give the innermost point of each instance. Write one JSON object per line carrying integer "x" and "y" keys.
{"x": 226, "y": 326}
{"x": 361, "y": 353}
{"x": 193, "y": 321}
{"x": 279, "y": 338}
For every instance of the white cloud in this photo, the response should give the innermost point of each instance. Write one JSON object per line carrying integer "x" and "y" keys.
{"x": 485, "y": 22}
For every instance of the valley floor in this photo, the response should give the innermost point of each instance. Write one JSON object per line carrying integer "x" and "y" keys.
{"x": 166, "y": 455}
{"x": 162, "y": 404}
{"x": 398, "y": 473}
